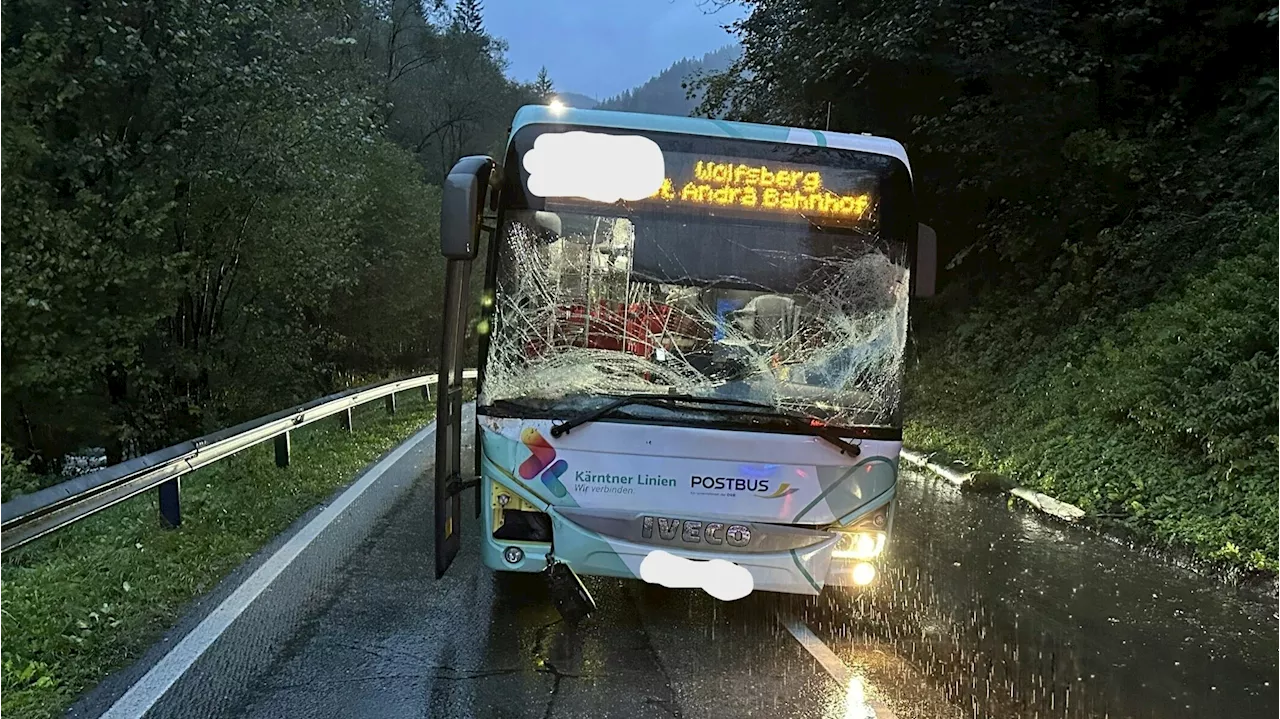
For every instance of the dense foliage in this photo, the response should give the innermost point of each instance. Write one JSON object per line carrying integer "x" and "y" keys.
{"x": 1103, "y": 181}
{"x": 215, "y": 209}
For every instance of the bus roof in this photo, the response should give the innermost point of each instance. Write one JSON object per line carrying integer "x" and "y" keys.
{"x": 546, "y": 114}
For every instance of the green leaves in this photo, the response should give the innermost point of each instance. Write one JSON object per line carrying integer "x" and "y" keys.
{"x": 82, "y": 604}
{"x": 1164, "y": 419}
{"x": 213, "y": 210}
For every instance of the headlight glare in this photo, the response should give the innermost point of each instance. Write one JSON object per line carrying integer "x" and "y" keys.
{"x": 859, "y": 545}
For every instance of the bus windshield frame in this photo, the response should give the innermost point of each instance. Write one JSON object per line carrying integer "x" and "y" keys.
{"x": 806, "y": 315}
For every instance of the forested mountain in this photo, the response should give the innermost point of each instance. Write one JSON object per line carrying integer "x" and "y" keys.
{"x": 665, "y": 93}
{"x": 1103, "y": 181}
{"x": 574, "y": 99}
{"x": 212, "y": 211}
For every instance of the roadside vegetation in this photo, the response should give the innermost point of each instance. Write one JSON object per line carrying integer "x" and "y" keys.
{"x": 1164, "y": 422}
{"x": 92, "y": 598}
{"x": 213, "y": 210}
{"x": 1103, "y": 182}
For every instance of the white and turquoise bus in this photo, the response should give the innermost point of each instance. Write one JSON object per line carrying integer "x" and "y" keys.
{"x": 691, "y": 338}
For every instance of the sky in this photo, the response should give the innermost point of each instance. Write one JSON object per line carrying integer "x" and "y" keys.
{"x": 602, "y": 47}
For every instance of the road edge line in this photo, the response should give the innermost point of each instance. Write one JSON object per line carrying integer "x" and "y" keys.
{"x": 151, "y": 688}
{"x": 833, "y": 664}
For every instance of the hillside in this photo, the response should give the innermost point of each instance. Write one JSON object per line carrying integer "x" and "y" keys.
{"x": 663, "y": 94}
{"x": 577, "y": 99}
{"x": 1105, "y": 199}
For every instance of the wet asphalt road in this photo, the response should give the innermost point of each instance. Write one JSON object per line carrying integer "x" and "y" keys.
{"x": 1012, "y": 615}
{"x": 987, "y": 612}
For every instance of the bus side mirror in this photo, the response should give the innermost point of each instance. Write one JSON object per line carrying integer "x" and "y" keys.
{"x": 461, "y": 206}
{"x": 926, "y": 269}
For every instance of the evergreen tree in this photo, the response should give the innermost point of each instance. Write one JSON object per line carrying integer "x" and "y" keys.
{"x": 668, "y": 92}
{"x": 468, "y": 15}
{"x": 542, "y": 87}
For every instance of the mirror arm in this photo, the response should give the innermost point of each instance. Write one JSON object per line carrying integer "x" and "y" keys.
{"x": 461, "y": 206}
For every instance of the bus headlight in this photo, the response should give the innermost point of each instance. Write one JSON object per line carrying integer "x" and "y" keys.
{"x": 859, "y": 545}
{"x": 863, "y": 574}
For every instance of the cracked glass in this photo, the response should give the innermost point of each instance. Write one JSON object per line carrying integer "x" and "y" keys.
{"x": 690, "y": 292}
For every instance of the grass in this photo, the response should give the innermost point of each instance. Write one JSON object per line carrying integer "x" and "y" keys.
{"x": 92, "y": 598}
{"x": 1163, "y": 421}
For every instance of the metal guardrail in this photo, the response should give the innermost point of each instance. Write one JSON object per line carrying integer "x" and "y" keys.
{"x": 30, "y": 516}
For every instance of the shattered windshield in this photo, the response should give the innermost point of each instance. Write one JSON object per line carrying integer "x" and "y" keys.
{"x": 798, "y": 308}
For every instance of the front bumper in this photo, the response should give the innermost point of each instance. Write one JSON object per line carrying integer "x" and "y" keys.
{"x": 588, "y": 551}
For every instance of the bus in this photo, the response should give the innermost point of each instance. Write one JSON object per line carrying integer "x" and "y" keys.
{"x": 690, "y": 352}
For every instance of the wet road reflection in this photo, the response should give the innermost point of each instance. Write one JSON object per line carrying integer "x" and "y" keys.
{"x": 982, "y": 611}
{"x": 1011, "y": 615}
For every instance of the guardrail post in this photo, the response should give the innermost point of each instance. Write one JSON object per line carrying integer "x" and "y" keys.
{"x": 170, "y": 509}
{"x": 28, "y": 517}
{"x": 391, "y": 403}
{"x": 282, "y": 450}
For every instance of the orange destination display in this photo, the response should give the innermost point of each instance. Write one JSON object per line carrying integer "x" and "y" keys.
{"x": 761, "y": 188}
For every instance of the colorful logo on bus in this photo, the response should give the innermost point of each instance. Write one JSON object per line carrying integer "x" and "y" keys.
{"x": 782, "y": 491}
{"x": 759, "y": 487}
{"x": 542, "y": 461}
{"x": 765, "y": 473}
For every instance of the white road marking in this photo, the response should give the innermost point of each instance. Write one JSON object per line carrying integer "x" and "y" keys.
{"x": 857, "y": 705}
{"x": 148, "y": 690}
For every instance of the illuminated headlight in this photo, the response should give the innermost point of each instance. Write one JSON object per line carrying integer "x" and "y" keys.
{"x": 863, "y": 574}
{"x": 859, "y": 545}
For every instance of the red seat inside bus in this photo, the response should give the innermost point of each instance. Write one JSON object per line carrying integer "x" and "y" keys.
{"x": 640, "y": 328}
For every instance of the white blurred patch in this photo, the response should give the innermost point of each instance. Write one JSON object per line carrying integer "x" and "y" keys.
{"x": 594, "y": 166}
{"x": 723, "y": 580}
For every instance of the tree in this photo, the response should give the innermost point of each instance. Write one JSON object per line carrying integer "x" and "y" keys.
{"x": 468, "y": 16}
{"x": 542, "y": 87}
{"x": 211, "y": 214}
{"x": 667, "y": 92}
{"x": 450, "y": 96}
{"x": 1032, "y": 125}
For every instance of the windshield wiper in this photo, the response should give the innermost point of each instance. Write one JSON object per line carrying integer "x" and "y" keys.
{"x": 604, "y": 409}
{"x": 666, "y": 400}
